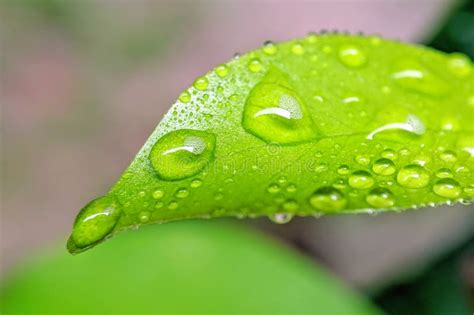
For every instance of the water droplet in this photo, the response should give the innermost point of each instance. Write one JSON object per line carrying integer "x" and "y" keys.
{"x": 273, "y": 188}
{"x": 353, "y": 100}
{"x": 352, "y": 56}
{"x": 182, "y": 193}
{"x": 281, "y": 218}
{"x": 185, "y": 97}
{"x": 383, "y": 167}
{"x": 444, "y": 173}
{"x": 269, "y": 48}
{"x": 459, "y": 65}
{"x": 159, "y": 193}
{"x": 413, "y": 176}
{"x": 343, "y": 169}
{"x": 195, "y": 183}
{"x": 173, "y": 205}
{"x": 412, "y": 76}
{"x": 339, "y": 183}
{"x": 361, "y": 180}
{"x": 255, "y": 65}
{"x": 412, "y": 124}
{"x": 282, "y": 180}
{"x": 276, "y": 113}
{"x": 222, "y": 71}
{"x": 297, "y": 49}
{"x": 290, "y": 205}
{"x": 201, "y": 83}
{"x": 291, "y": 188}
{"x": 95, "y": 221}
{"x": 380, "y": 198}
{"x": 448, "y": 156}
{"x": 469, "y": 190}
{"x": 389, "y": 154}
{"x": 328, "y": 199}
{"x": 362, "y": 160}
{"x": 159, "y": 204}
{"x": 182, "y": 153}
{"x": 141, "y": 194}
{"x": 447, "y": 187}
{"x": 144, "y": 216}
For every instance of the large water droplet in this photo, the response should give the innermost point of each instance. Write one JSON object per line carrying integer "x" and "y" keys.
{"x": 94, "y": 222}
{"x": 361, "y": 180}
{"x": 380, "y": 198}
{"x": 222, "y": 70}
{"x": 412, "y": 124}
{"x": 201, "y": 83}
{"x": 328, "y": 199}
{"x": 352, "y": 56}
{"x": 276, "y": 113}
{"x": 182, "y": 153}
{"x": 413, "y": 176}
{"x": 448, "y": 156}
{"x": 412, "y": 76}
{"x": 447, "y": 187}
{"x": 383, "y": 167}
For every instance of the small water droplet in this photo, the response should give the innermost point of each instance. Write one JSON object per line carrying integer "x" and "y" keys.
{"x": 195, "y": 183}
{"x": 141, "y": 194}
{"x": 218, "y": 196}
{"x": 297, "y": 49}
{"x": 380, "y": 198}
{"x": 222, "y": 71}
{"x": 389, "y": 154}
{"x": 361, "y": 180}
{"x": 182, "y": 153}
{"x": 273, "y": 188}
{"x": 282, "y": 180}
{"x": 383, "y": 167}
{"x": 173, "y": 205}
{"x": 185, "y": 97}
{"x": 459, "y": 64}
{"x": 290, "y": 205}
{"x": 469, "y": 190}
{"x": 144, "y": 216}
{"x": 444, "y": 173}
{"x": 353, "y": 100}
{"x": 182, "y": 193}
{"x": 448, "y": 156}
{"x": 159, "y": 193}
{"x": 352, "y": 56}
{"x": 269, "y": 48}
{"x": 343, "y": 169}
{"x": 95, "y": 221}
{"x": 328, "y": 199}
{"x": 255, "y": 65}
{"x": 201, "y": 83}
{"x": 362, "y": 160}
{"x": 447, "y": 187}
{"x": 281, "y": 218}
{"x": 413, "y": 176}
{"x": 339, "y": 183}
{"x": 159, "y": 204}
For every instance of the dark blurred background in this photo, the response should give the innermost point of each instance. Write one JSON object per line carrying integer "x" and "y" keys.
{"x": 83, "y": 83}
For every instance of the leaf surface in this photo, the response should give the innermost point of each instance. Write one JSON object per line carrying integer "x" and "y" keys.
{"x": 326, "y": 124}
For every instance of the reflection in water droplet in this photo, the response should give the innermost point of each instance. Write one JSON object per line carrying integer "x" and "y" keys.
{"x": 444, "y": 173}
{"x": 281, "y": 218}
{"x": 182, "y": 153}
{"x": 361, "y": 180}
{"x": 413, "y": 176}
{"x": 447, "y": 187}
{"x": 352, "y": 56}
{"x": 201, "y": 83}
{"x": 185, "y": 97}
{"x": 412, "y": 76}
{"x": 95, "y": 221}
{"x": 459, "y": 65}
{"x": 328, "y": 199}
{"x": 383, "y": 167}
{"x": 412, "y": 124}
{"x": 380, "y": 198}
{"x": 277, "y": 114}
{"x": 353, "y": 100}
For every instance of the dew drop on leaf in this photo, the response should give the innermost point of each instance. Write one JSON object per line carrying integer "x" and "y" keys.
{"x": 201, "y": 83}
{"x": 280, "y": 218}
{"x": 444, "y": 173}
{"x": 383, "y": 167}
{"x": 413, "y": 176}
{"x": 459, "y": 65}
{"x": 182, "y": 153}
{"x": 361, "y": 180}
{"x": 447, "y": 187}
{"x": 328, "y": 199}
{"x": 380, "y": 198}
{"x": 352, "y": 56}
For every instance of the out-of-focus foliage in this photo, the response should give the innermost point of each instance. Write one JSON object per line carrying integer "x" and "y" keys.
{"x": 188, "y": 267}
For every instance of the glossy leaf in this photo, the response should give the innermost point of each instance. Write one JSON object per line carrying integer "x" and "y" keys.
{"x": 180, "y": 268}
{"x": 326, "y": 124}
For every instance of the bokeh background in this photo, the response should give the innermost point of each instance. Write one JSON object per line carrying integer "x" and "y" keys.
{"x": 84, "y": 82}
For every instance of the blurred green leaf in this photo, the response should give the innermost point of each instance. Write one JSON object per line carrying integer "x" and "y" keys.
{"x": 187, "y": 267}
{"x": 327, "y": 124}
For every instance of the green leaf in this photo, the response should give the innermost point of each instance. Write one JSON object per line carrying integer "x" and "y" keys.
{"x": 325, "y": 124}
{"x": 185, "y": 267}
